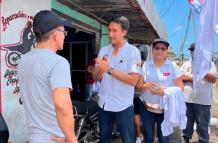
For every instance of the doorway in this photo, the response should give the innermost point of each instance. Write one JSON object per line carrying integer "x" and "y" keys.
{"x": 79, "y": 47}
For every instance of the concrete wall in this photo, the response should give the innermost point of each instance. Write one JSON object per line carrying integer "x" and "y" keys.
{"x": 16, "y": 39}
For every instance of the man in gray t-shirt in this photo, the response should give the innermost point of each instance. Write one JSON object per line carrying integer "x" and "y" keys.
{"x": 45, "y": 83}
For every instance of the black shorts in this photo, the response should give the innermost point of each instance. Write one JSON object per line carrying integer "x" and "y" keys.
{"x": 136, "y": 101}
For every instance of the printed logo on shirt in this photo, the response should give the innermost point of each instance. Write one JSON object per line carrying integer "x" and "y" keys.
{"x": 104, "y": 57}
{"x": 189, "y": 70}
{"x": 166, "y": 74}
{"x": 138, "y": 64}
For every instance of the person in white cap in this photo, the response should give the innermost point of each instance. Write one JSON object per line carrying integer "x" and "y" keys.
{"x": 157, "y": 74}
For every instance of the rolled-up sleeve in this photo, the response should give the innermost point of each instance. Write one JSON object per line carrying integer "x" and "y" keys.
{"x": 134, "y": 65}
{"x": 177, "y": 72}
{"x": 213, "y": 69}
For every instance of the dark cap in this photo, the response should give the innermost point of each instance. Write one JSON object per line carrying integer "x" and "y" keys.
{"x": 46, "y": 20}
{"x": 161, "y": 40}
{"x": 192, "y": 46}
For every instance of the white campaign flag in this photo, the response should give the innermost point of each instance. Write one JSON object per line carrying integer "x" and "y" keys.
{"x": 204, "y": 41}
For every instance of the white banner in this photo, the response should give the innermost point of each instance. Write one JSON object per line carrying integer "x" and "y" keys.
{"x": 16, "y": 39}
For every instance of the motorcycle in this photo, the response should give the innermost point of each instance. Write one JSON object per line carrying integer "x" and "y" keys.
{"x": 86, "y": 121}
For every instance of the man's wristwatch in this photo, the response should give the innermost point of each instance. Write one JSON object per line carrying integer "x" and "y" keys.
{"x": 110, "y": 70}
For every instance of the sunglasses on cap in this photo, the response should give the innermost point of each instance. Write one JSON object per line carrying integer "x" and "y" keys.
{"x": 157, "y": 48}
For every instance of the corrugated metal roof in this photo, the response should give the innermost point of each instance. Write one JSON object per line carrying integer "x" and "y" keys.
{"x": 145, "y": 23}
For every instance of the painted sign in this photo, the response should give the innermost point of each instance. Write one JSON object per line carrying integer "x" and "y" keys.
{"x": 16, "y": 39}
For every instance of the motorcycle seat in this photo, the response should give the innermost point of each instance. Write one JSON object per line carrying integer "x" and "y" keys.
{"x": 89, "y": 107}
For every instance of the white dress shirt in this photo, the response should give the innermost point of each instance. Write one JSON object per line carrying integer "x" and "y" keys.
{"x": 115, "y": 95}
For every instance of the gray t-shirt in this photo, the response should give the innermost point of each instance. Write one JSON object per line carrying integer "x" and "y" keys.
{"x": 39, "y": 72}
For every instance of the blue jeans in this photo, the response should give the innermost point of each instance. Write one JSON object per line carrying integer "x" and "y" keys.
{"x": 124, "y": 120}
{"x": 148, "y": 121}
{"x": 201, "y": 115}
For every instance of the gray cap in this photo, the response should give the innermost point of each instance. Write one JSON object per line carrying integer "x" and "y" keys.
{"x": 161, "y": 40}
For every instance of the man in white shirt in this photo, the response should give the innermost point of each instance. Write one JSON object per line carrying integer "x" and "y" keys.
{"x": 198, "y": 102}
{"x": 118, "y": 67}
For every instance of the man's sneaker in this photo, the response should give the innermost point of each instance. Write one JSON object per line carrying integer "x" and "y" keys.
{"x": 139, "y": 139}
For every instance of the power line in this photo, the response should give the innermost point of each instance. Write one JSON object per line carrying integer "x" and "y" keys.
{"x": 162, "y": 5}
{"x": 185, "y": 38}
{"x": 181, "y": 23}
{"x": 172, "y": 2}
